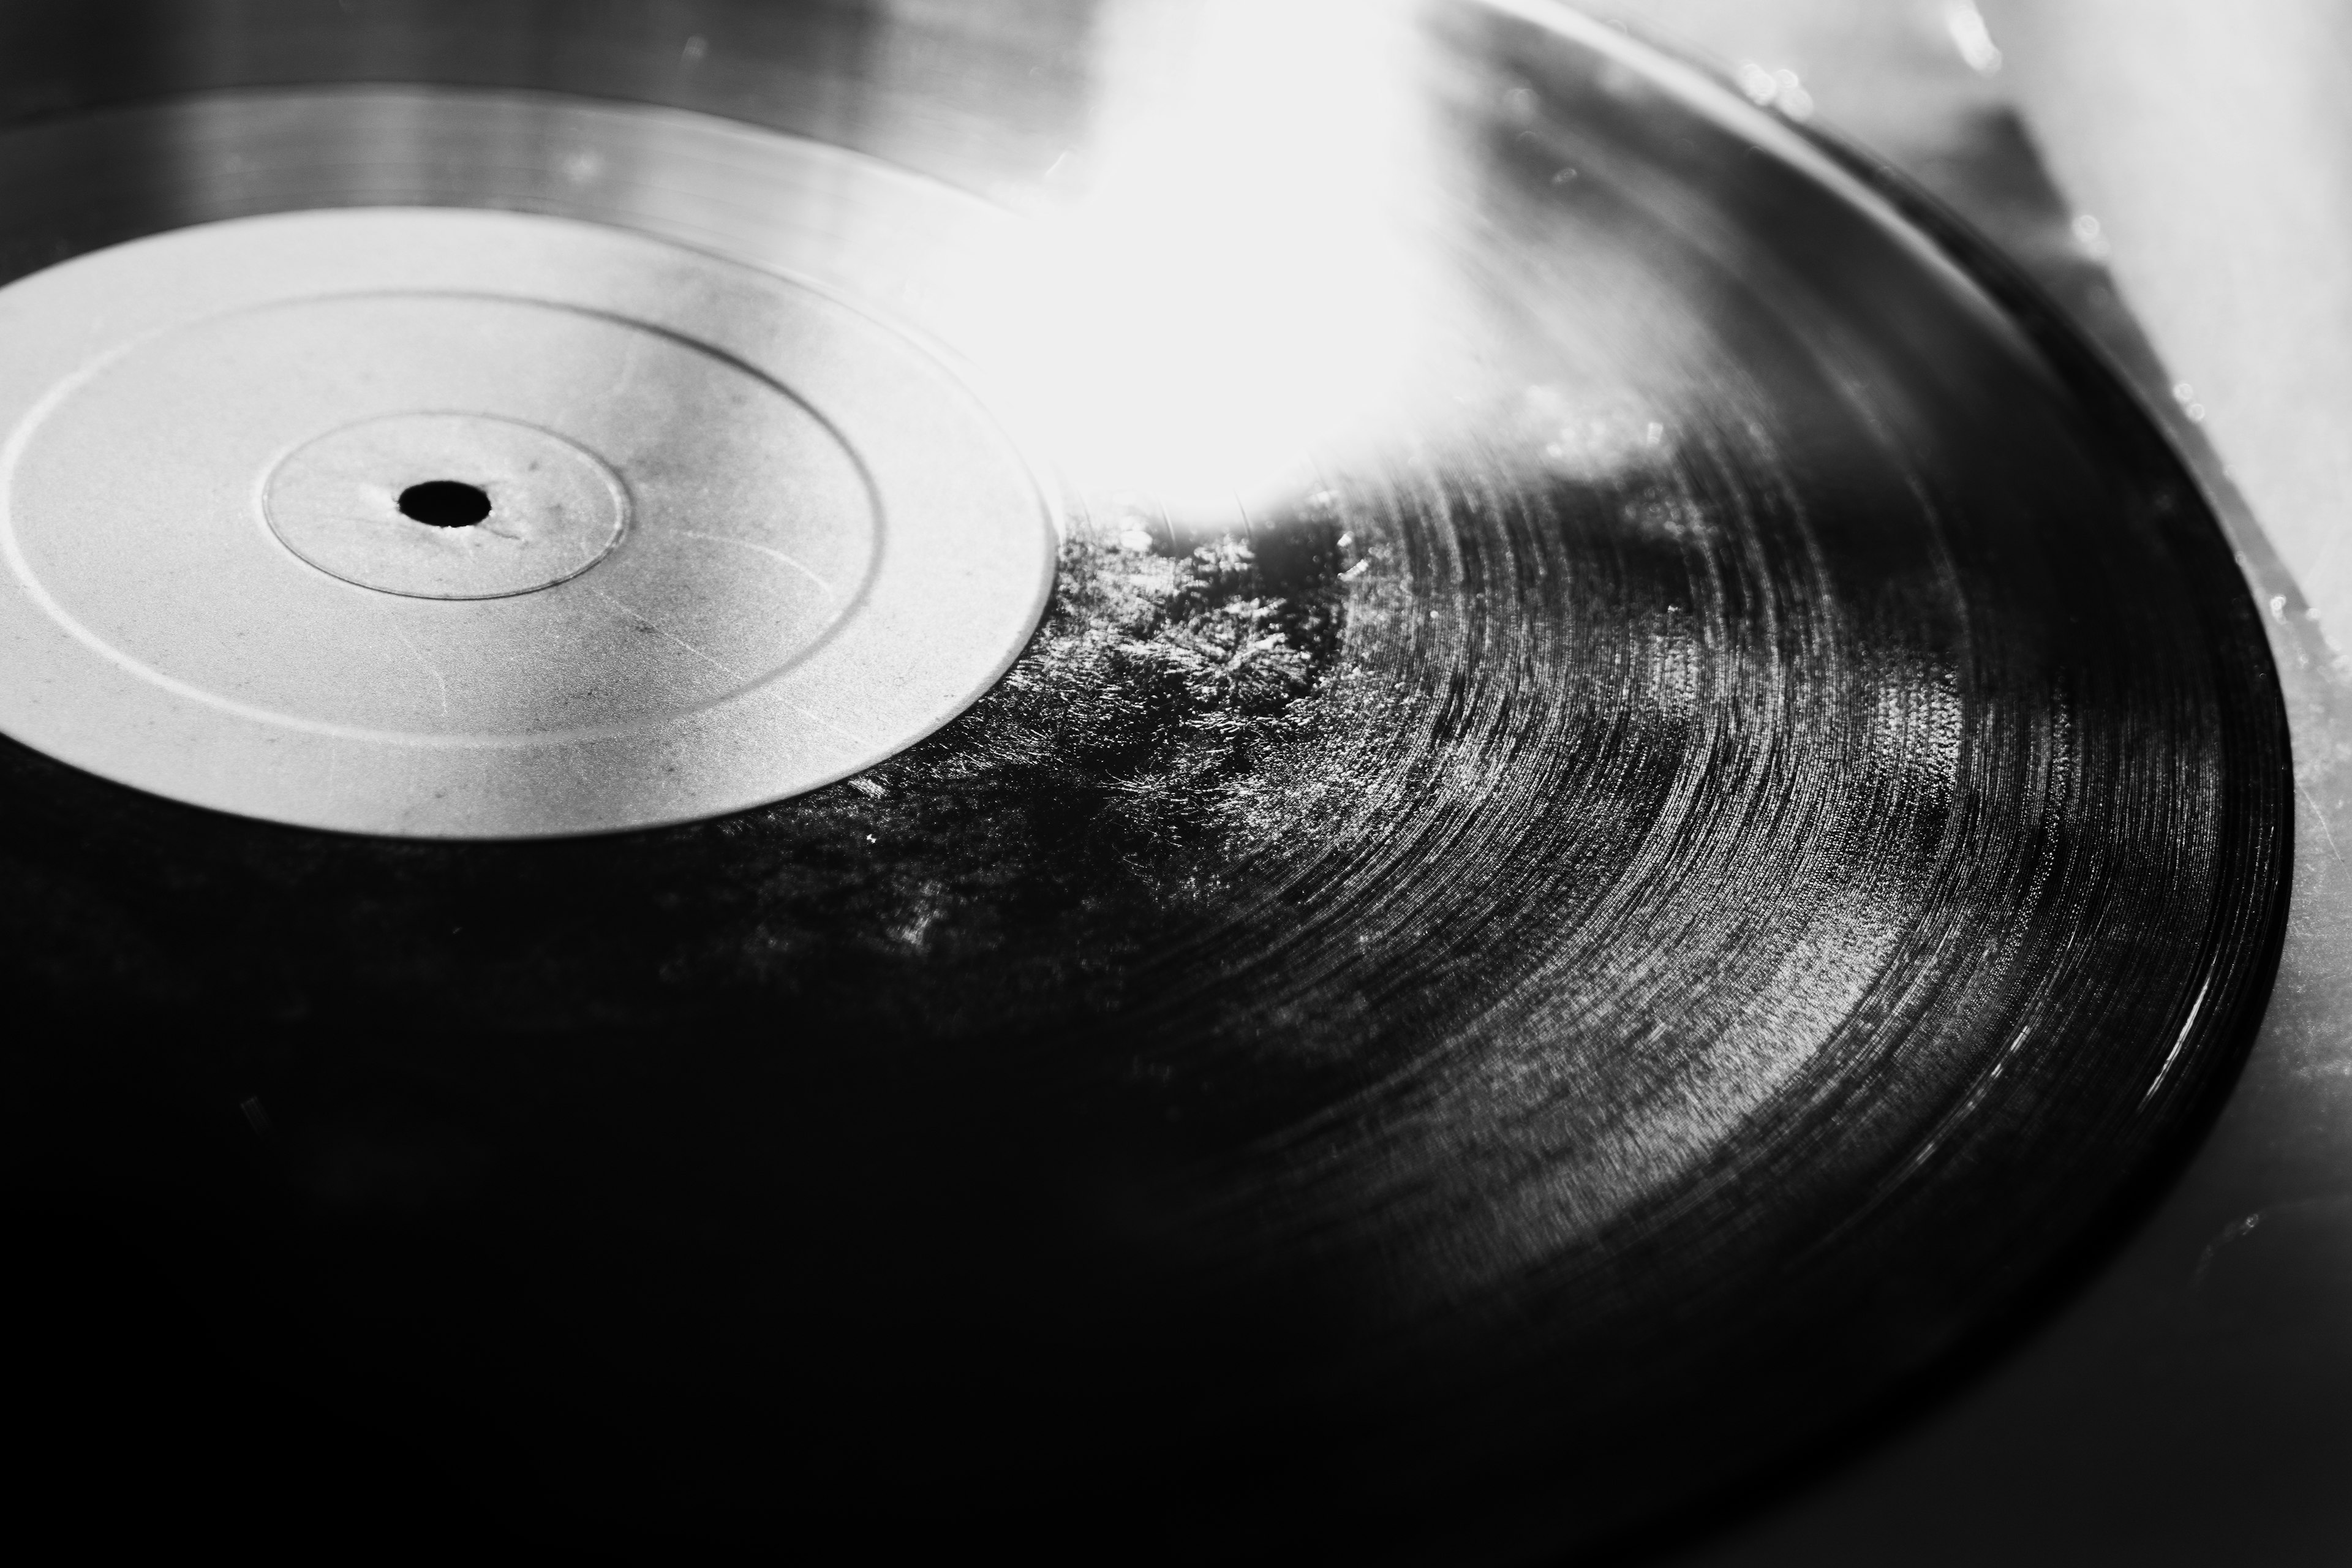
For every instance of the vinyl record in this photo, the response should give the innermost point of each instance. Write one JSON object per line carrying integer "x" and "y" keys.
{"x": 1196, "y": 779}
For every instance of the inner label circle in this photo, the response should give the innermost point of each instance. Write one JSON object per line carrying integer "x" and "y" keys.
{"x": 551, "y": 509}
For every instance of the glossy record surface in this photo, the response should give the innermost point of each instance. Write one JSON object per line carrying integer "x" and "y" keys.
{"x": 1641, "y": 804}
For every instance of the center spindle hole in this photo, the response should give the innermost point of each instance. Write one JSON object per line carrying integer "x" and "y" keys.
{"x": 446, "y": 503}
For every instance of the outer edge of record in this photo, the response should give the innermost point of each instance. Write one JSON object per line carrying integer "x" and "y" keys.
{"x": 2242, "y": 941}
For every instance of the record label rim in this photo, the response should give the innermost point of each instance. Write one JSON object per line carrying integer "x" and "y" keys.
{"x": 913, "y": 624}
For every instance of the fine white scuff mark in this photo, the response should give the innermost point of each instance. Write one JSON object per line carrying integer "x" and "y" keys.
{"x": 764, "y": 550}
{"x": 627, "y": 369}
{"x": 852, "y": 736}
{"x": 440, "y": 682}
{"x": 649, "y": 624}
{"x": 2320, "y": 818}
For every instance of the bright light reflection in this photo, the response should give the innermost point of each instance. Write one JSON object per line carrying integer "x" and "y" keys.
{"x": 1235, "y": 284}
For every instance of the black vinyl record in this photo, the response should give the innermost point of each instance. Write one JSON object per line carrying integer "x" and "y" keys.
{"x": 1461, "y": 1005}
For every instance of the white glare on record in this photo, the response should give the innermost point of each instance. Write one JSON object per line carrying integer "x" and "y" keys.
{"x": 1234, "y": 286}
